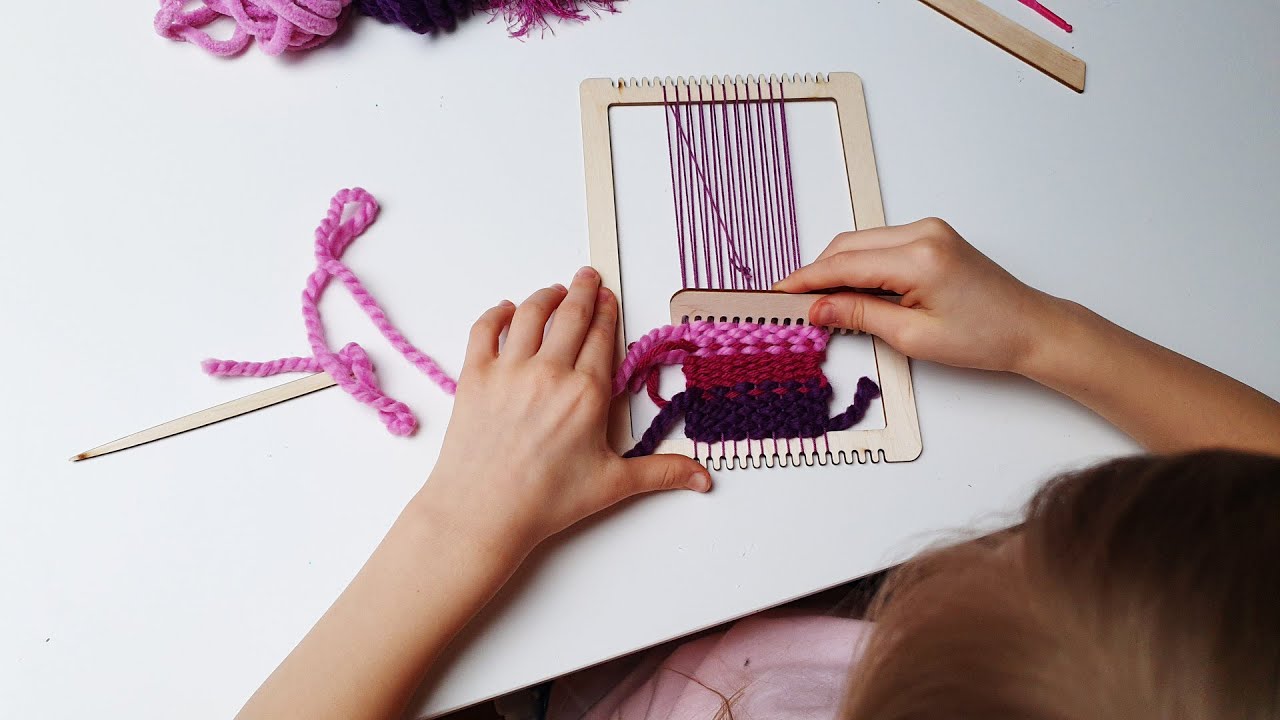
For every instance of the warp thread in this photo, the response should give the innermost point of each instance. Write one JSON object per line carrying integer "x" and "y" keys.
{"x": 290, "y": 25}
{"x": 744, "y": 381}
{"x": 732, "y": 184}
{"x": 350, "y": 367}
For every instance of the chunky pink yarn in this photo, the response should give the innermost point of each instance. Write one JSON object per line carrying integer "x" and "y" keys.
{"x": 671, "y": 344}
{"x": 349, "y": 367}
{"x": 278, "y": 25}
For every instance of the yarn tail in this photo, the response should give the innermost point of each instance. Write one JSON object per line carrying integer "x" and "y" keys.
{"x": 660, "y": 427}
{"x": 866, "y": 392}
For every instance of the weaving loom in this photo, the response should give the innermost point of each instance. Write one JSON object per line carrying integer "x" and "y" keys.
{"x": 756, "y": 394}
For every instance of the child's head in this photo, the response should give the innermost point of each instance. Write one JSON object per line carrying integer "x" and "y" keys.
{"x": 1144, "y": 588}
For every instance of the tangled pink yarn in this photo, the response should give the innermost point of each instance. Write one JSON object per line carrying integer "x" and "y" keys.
{"x": 349, "y": 367}
{"x": 278, "y": 25}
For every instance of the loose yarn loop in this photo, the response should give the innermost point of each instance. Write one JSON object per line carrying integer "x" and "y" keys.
{"x": 350, "y": 367}
{"x": 745, "y": 381}
{"x": 278, "y": 25}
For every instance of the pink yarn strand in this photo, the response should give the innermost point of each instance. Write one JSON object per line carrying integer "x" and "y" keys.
{"x": 350, "y": 367}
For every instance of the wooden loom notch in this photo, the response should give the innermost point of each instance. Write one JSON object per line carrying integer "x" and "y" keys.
{"x": 899, "y": 440}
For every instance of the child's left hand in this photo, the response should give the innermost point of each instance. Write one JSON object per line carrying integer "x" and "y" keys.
{"x": 526, "y": 455}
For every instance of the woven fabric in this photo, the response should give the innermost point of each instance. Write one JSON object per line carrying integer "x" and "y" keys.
{"x": 744, "y": 381}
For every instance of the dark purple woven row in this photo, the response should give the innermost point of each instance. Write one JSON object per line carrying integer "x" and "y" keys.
{"x": 711, "y": 415}
{"x": 788, "y": 409}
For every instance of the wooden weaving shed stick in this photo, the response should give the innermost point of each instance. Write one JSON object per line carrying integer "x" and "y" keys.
{"x": 899, "y": 440}
{"x": 1015, "y": 39}
{"x": 218, "y": 413}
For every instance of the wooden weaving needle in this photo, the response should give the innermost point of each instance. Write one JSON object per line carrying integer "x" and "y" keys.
{"x": 218, "y": 413}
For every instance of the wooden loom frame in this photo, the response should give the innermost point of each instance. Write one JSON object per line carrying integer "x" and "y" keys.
{"x": 899, "y": 440}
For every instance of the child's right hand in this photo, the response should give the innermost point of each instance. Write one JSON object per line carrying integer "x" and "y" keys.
{"x": 958, "y": 307}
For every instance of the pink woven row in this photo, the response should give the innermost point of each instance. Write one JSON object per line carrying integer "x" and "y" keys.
{"x": 704, "y": 338}
{"x": 349, "y": 367}
{"x": 727, "y": 338}
{"x": 278, "y": 25}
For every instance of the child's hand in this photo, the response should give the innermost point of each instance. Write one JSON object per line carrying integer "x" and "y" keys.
{"x": 958, "y": 307}
{"x": 525, "y": 455}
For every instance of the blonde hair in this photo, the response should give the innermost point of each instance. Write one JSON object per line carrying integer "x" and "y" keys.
{"x": 1144, "y": 588}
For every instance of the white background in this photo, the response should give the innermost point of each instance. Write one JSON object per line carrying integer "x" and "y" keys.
{"x": 158, "y": 206}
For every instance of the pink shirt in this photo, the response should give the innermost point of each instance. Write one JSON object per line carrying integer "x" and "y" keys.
{"x": 774, "y": 665}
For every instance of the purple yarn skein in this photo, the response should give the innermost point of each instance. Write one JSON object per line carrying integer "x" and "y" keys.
{"x": 421, "y": 16}
{"x": 521, "y": 16}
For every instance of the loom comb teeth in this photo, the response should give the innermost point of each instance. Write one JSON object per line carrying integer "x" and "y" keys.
{"x": 759, "y": 306}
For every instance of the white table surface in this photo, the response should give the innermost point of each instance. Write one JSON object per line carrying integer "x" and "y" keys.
{"x": 158, "y": 205}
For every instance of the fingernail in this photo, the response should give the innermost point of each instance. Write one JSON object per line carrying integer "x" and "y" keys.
{"x": 586, "y": 273}
{"x": 823, "y": 314}
{"x": 506, "y": 304}
{"x": 700, "y": 482}
{"x": 560, "y": 287}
